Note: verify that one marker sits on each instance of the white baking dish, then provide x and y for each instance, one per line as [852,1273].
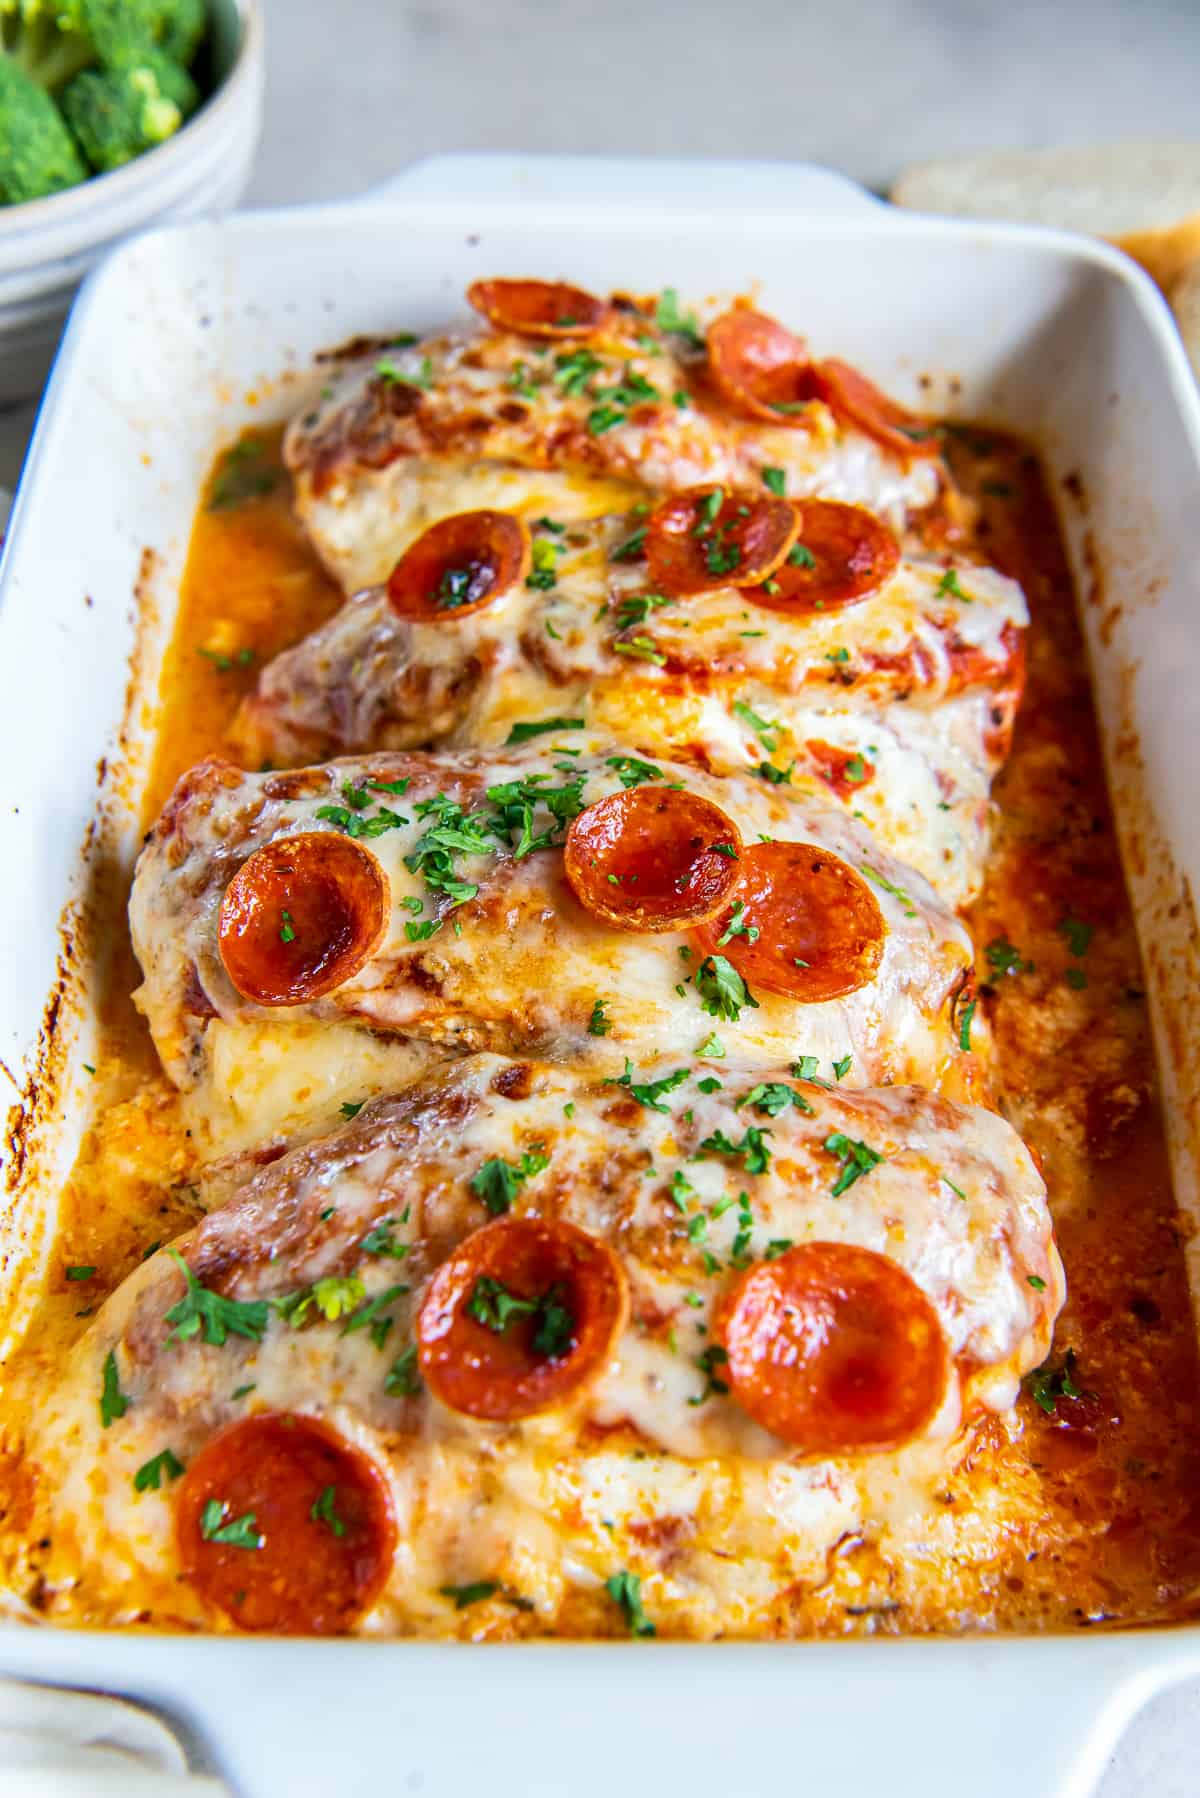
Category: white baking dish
[179,341]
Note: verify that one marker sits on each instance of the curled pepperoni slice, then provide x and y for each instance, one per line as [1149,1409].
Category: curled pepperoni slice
[841,554]
[801,923]
[459,566]
[852,396]
[652,858]
[300,917]
[284,1526]
[714,537]
[538,308]
[520,1318]
[759,366]
[834,1348]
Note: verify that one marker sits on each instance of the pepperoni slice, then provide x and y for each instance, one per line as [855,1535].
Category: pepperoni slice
[834,1348]
[459,566]
[300,917]
[760,366]
[523,1315]
[538,308]
[714,537]
[652,858]
[285,1527]
[841,554]
[801,923]
[852,396]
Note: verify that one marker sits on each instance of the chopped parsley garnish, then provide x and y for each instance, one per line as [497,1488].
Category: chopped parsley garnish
[514,804]
[324,1510]
[964,1024]
[775,480]
[544,573]
[648,1093]
[203,1312]
[721,988]
[521,733]
[1076,979]
[806,1067]
[635,608]
[737,926]
[80,1273]
[838,655]
[625,1588]
[403,1380]
[351,1109]
[349,819]
[801,557]
[856,770]
[388,372]
[498,1182]
[752,1148]
[474,1593]
[631,771]
[223,663]
[1036,1281]
[599,1024]
[668,317]
[1047,1384]
[1003,958]
[713,1357]
[712,1046]
[379,1240]
[857,1159]
[642,649]
[632,547]
[1078,935]
[842,1068]
[149,1475]
[709,1084]
[497,1309]
[242,1532]
[906,899]
[767,732]
[773,1096]
[950,587]
[775,777]
[113,1402]
[335,1296]
[243,473]
[372,1316]
[287,929]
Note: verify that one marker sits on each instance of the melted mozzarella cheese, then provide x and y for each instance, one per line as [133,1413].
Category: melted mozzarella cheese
[522,964]
[646,1468]
[373,456]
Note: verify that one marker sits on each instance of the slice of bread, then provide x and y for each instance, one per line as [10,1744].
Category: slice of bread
[1144,197]
[1184,296]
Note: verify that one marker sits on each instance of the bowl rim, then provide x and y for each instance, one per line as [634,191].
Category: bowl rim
[118,184]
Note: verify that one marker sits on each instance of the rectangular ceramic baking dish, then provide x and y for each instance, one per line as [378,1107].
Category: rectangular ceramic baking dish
[179,342]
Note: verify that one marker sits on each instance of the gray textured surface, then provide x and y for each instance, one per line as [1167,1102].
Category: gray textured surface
[357,88]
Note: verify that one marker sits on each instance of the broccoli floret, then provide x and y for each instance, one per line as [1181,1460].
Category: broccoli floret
[120,29]
[116,113]
[45,39]
[38,155]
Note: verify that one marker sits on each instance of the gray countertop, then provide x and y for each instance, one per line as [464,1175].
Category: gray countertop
[358,88]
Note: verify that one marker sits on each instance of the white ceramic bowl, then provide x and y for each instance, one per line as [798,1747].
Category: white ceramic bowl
[48,246]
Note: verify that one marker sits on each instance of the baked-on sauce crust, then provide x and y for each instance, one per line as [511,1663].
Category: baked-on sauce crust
[1086,1516]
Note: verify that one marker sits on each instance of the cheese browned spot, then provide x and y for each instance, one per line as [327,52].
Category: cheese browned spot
[460,565]
[834,1348]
